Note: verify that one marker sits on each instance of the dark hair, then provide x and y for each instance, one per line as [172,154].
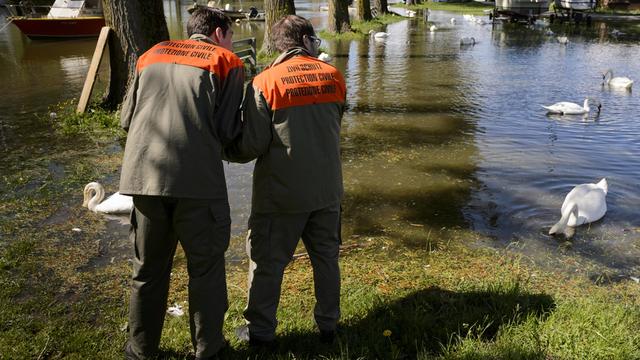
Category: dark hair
[205,20]
[289,31]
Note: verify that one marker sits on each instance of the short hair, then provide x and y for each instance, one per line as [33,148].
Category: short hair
[205,20]
[288,32]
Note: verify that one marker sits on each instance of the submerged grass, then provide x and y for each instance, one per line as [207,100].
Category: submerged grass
[468,7]
[360,29]
[436,298]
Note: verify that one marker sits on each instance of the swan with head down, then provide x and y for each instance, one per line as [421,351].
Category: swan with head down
[584,204]
[114,204]
[569,108]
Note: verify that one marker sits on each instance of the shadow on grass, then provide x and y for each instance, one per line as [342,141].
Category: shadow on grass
[421,323]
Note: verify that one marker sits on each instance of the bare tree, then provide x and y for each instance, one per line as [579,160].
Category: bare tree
[137,26]
[338,16]
[274,10]
[363,12]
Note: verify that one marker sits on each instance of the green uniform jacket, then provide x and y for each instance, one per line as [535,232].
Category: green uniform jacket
[291,123]
[181,110]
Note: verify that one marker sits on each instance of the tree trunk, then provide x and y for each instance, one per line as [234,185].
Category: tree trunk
[338,16]
[136,27]
[381,6]
[363,12]
[274,10]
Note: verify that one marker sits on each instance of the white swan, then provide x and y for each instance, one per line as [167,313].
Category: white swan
[325,57]
[616,82]
[569,108]
[468,41]
[411,13]
[433,28]
[115,204]
[452,21]
[585,203]
[378,35]
[563,40]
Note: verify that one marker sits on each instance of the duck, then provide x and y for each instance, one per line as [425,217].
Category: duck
[616,82]
[115,204]
[378,35]
[585,203]
[468,41]
[325,57]
[569,108]
[433,28]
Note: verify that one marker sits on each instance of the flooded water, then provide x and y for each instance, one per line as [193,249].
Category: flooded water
[436,136]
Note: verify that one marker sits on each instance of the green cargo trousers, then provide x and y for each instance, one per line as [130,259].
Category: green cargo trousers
[203,228]
[271,242]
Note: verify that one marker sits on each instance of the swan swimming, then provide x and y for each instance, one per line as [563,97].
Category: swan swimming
[616,82]
[563,40]
[569,108]
[378,35]
[433,28]
[585,203]
[468,41]
[325,57]
[115,204]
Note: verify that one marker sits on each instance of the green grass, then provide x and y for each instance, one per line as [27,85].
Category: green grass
[470,7]
[442,301]
[361,29]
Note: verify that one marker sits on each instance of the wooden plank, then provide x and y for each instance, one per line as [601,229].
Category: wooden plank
[246,42]
[93,70]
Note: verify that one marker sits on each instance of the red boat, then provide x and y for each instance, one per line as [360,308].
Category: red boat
[65,18]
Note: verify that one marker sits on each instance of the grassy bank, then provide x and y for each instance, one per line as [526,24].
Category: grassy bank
[64,295]
[470,7]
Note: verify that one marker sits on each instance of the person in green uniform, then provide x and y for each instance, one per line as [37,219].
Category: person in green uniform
[291,123]
[180,111]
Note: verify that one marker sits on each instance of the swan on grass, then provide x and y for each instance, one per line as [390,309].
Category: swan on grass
[584,204]
[115,204]
[569,108]
[616,82]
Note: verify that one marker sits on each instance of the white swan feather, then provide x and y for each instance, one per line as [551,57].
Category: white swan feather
[584,204]
[619,82]
[114,204]
[569,108]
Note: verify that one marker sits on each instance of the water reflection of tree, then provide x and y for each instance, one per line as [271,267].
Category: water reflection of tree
[407,153]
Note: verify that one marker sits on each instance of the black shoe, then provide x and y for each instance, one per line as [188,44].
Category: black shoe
[327,336]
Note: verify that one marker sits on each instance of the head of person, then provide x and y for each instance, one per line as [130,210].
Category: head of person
[213,23]
[295,31]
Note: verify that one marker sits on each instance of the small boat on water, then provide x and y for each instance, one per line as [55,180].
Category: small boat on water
[64,19]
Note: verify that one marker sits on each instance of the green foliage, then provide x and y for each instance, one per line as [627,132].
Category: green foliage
[94,122]
[470,7]
[361,29]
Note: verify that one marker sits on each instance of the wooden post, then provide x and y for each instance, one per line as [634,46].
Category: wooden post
[93,70]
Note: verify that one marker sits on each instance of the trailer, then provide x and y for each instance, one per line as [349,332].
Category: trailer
[520,10]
